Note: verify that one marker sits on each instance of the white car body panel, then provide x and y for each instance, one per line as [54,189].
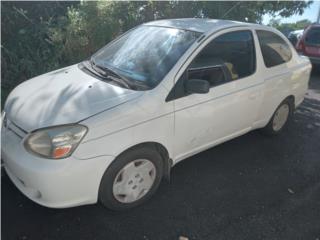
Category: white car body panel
[130,123]
[119,119]
[55,184]
[239,97]
[75,94]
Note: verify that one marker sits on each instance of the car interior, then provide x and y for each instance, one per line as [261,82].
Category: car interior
[234,52]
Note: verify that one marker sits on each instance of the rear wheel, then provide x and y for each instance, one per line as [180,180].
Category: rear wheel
[280,118]
[131,179]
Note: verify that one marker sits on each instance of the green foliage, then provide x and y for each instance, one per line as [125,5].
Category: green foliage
[83,30]
[26,47]
[286,28]
[38,37]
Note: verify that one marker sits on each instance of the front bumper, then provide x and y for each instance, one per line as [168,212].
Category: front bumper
[52,183]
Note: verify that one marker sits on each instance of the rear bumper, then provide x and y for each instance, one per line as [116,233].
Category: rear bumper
[52,183]
[314,60]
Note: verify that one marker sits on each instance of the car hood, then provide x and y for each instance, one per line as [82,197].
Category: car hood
[63,96]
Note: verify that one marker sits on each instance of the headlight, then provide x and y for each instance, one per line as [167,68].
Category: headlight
[56,142]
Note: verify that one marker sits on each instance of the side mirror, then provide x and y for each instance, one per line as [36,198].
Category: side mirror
[197,86]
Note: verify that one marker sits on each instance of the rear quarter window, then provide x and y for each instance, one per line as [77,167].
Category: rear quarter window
[275,50]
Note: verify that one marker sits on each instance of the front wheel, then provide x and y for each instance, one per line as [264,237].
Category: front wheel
[280,118]
[131,179]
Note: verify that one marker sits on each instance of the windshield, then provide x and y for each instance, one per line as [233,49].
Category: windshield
[145,54]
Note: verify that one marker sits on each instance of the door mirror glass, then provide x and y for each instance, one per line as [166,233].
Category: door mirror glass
[197,86]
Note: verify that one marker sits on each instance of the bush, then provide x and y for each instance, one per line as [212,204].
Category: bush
[38,37]
[43,36]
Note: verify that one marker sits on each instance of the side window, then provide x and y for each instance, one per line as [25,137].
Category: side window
[230,56]
[275,50]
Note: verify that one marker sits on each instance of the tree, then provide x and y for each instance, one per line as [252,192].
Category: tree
[41,36]
[235,10]
[286,28]
[26,47]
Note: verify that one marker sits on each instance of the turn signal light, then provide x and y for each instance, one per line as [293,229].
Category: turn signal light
[60,152]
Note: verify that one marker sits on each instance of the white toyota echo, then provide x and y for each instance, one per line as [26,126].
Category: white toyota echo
[110,128]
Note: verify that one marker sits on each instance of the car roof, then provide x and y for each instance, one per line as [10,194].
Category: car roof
[198,24]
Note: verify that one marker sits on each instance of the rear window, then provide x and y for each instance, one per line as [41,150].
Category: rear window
[313,36]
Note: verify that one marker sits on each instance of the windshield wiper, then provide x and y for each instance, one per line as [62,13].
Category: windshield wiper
[111,74]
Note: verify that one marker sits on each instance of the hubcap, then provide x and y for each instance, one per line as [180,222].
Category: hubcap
[134,180]
[280,117]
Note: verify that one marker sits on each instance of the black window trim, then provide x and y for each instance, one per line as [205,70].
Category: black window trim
[172,94]
[284,39]
[223,67]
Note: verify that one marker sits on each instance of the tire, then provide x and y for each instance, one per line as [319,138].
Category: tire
[272,128]
[134,168]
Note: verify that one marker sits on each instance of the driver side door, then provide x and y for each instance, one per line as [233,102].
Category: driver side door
[229,109]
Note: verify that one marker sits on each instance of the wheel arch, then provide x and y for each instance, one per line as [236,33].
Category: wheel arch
[292,99]
[163,151]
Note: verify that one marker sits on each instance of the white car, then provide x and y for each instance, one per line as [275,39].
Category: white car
[110,128]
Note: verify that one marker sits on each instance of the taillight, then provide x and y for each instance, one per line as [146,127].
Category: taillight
[300,45]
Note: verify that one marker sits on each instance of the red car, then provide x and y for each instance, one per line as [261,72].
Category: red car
[309,43]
